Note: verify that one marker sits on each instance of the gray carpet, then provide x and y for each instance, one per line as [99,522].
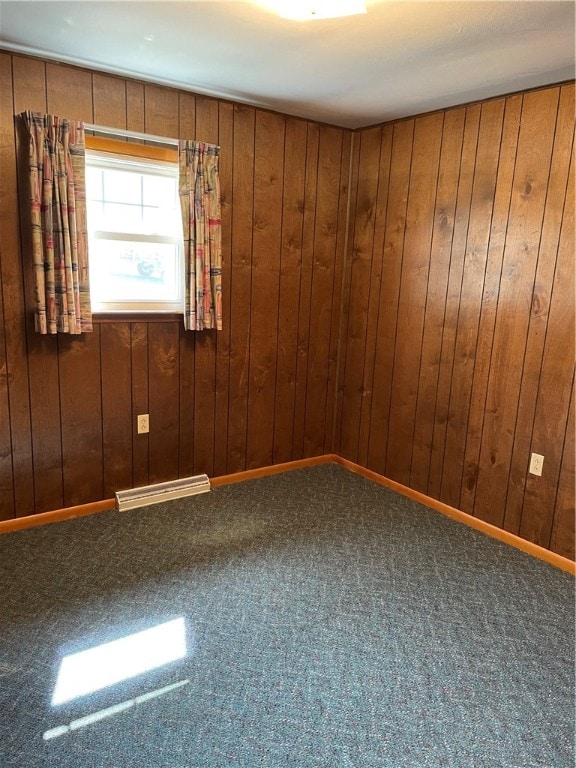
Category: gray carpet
[329,623]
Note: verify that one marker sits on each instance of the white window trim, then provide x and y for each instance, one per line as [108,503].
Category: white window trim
[100,159]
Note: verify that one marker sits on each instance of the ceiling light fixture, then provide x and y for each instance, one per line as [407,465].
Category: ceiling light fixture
[306,10]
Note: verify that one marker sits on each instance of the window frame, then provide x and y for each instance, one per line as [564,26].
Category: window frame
[127,153]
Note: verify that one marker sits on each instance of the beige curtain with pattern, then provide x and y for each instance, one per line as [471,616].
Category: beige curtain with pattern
[59,226]
[199,188]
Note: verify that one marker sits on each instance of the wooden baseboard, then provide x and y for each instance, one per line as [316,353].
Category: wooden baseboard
[564,563]
[273,469]
[43,518]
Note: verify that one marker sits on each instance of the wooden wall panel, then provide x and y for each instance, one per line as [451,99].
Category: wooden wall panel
[44,380]
[443,232]
[163,400]
[322,290]
[17,371]
[476,304]
[305,302]
[531,177]
[117,421]
[294,164]
[386,311]
[412,297]
[443,316]
[361,238]
[218,402]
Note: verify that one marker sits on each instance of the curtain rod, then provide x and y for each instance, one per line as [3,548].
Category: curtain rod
[131,134]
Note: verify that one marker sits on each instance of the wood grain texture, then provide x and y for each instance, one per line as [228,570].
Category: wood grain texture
[117,429]
[294,168]
[322,289]
[475,303]
[429,346]
[268,177]
[531,176]
[441,249]
[16,353]
[563,539]
[412,295]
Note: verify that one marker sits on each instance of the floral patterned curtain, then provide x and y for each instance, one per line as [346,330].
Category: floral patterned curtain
[200,203]
[59,227]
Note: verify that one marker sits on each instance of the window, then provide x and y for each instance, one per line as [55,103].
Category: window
[135,232]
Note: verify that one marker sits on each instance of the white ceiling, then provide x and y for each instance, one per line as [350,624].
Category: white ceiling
[400,59]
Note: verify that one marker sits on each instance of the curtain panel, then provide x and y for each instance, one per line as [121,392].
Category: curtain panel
[199,188]
[59,224]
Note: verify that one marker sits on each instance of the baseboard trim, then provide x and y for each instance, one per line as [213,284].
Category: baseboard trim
[272,469]
[558,561]
[56,516]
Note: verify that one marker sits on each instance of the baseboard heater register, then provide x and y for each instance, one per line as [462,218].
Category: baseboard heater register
[154,494]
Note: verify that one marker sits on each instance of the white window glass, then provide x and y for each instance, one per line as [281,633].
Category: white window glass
[135,234]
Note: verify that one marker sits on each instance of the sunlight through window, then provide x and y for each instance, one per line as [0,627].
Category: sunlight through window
[110,663]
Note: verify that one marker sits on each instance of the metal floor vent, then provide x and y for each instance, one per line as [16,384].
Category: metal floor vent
[154,494]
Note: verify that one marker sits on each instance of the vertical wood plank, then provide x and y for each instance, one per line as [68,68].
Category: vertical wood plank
[109,101]
[117,429]
[134,106]
[81,408]
[402,140]
[347,240]
[161,111]
[464,194]
[304,307]
[163,367]
[17,370]
[562,540]
[443,232]
[375,292]
[331,439]
[515,298]
[500,217]
[269,146]
[360,273]
[538,323]
[205,341]
[475,259]
[241,289]
[325,238]
[187,131]
[554,388]
[412,299]
[69,92]
[6,479]
[226,142]
[294,165]
[140,401]
[44,385]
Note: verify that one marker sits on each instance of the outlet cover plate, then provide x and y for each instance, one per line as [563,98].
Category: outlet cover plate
[536,463]
[143,423]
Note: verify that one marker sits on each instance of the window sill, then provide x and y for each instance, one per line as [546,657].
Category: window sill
[140,316]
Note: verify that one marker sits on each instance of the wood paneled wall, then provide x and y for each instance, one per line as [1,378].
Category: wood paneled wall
[454,352]
[458,349]
[260,392]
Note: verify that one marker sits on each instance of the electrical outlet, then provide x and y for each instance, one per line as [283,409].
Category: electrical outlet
[143,423]
[536,462]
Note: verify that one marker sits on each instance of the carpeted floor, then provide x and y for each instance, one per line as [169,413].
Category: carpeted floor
[329,623]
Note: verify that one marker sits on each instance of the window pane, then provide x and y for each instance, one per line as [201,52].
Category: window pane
[122,270]
[130,202]
[94,187]
[122,218]
[159,191]
[123,187]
